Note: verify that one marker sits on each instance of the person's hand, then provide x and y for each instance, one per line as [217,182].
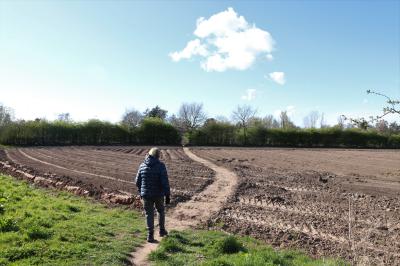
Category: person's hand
[167,199]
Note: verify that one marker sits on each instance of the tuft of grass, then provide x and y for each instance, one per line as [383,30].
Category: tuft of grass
[37,232]
[47,227]
[72,208]
[228,245]
[214,248]
[8,225]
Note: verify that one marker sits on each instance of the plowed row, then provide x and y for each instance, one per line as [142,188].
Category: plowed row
[113,168]
[327,202]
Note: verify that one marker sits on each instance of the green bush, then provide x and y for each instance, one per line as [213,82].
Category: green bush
[92,132]
[8,225]
[210,135]
[37,232]
[228,245]
[155,131]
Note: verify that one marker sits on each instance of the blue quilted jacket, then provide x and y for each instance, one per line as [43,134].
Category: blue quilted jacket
[152,178]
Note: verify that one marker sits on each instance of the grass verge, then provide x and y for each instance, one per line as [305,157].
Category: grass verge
[214,248]
[47,227]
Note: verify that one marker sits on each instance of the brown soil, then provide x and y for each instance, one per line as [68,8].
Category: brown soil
[310,198]
[109,168]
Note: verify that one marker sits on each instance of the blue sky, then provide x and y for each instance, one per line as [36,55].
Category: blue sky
[98,58]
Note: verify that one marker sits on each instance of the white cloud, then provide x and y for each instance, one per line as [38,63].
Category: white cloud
[226,41]
[192,48]
[269,57]
[278,77]
[250,95]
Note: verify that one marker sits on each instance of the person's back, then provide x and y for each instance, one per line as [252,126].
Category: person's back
[154,182]
[153,185]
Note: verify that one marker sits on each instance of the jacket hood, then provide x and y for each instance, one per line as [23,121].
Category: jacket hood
[150,160]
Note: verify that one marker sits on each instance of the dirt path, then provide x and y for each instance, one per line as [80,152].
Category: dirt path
[195,211]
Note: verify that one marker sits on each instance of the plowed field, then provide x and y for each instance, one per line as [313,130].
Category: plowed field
[113,168]
[328,202]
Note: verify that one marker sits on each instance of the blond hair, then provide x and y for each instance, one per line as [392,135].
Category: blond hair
[155,152]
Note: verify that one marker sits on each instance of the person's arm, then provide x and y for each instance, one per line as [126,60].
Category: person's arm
[164,180]
[138,180]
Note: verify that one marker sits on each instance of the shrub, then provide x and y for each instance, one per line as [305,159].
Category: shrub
[228,245]
[8,225]
[92,132]
[172,245]
[36,232]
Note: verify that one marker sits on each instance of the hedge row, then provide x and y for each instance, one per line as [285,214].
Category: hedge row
[228,135]
[94,132]
[154,131]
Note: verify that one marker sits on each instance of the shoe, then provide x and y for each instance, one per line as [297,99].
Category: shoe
[150,237]
[163,233]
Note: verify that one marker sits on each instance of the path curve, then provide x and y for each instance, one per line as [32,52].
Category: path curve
[195,211]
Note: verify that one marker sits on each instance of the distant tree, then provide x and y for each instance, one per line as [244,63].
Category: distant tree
[6,115]
[192,115]
[270,122]
[382,126]
[156,112]
[310,121]
[243,115]
[394,127]
[322,122]
[340,122]
[286,123]
[256,122]
[132,118]
[210,121]
[64,117]
[176,123]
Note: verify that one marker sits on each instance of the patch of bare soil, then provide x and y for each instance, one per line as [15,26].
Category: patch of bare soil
[328,202]
[109,168]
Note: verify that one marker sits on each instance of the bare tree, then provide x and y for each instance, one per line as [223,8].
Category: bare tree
[285,121]
[270,122]
[322,121]
[65,117]
[192,115]
[340,122]
[310,121]
[382,126]
[243,115]
[132,118]
[6,115]
[176,123]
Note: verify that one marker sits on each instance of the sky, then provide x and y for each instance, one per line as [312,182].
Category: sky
[97,59]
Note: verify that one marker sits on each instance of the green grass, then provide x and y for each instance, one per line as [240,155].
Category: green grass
[212,248]
[46,227]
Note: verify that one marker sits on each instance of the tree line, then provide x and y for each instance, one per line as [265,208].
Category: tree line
[192,126]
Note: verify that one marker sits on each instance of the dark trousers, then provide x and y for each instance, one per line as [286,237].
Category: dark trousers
[149,210]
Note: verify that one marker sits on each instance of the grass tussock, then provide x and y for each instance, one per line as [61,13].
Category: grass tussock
[212,248]
[41,227]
